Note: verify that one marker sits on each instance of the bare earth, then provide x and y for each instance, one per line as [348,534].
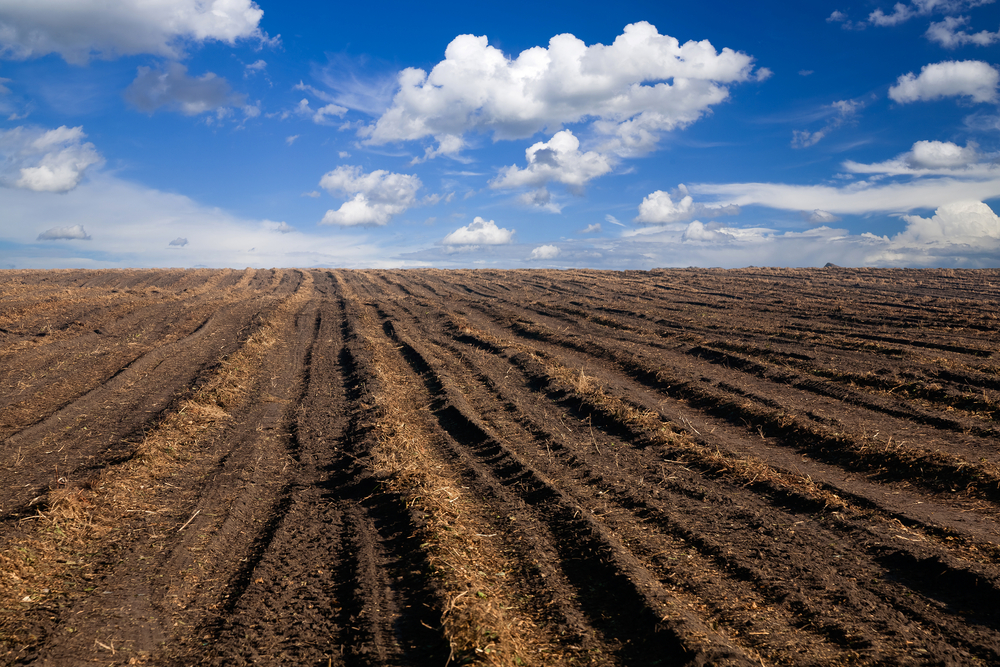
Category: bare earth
[676,467]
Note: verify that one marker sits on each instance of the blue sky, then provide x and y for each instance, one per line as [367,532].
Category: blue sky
[219,133]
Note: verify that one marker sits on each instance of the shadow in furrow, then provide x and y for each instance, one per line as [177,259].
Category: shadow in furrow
[607,595]
[393,545]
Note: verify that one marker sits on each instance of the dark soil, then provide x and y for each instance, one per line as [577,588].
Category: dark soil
[704,467]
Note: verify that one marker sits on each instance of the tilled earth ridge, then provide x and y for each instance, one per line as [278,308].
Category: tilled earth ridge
[324,467]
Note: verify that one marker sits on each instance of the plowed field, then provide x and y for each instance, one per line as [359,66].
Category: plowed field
[676,467]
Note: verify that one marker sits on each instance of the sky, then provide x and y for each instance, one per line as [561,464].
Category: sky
[625,135]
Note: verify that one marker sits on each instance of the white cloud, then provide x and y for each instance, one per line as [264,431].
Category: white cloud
[447,144]
[81,29]
[931,158]
[560,160]
[843,111]
[437,198]
[343,155]
[361,84]
[958,234]
[254,67]
[132,225]
[479,232]
[322,115]
[545,252]
[591,229]
[76,232]
[900,13]
[824,217]
[855,198]
[659,207]
[903,12]
[966,78]
[931,175]
[805,139]
[313,194]
[45,160]
[982,122]
[173,89]
[947,33]
[291,139]
[941,155]
[178,242]
[540,198]
[634,89]
[613,220]
[836,17]
[284,228]
[956,223]
[377,196]
[699,231]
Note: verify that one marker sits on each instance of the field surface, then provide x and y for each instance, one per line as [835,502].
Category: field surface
[676,467]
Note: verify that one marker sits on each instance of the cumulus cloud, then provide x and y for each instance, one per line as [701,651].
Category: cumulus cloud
[956,223]
[967,78]
[591,229]
[72,233]
[173,89]
[639,86]
[660,207]
[930,158]
[558,160]
[479,232]
[81,29]
[45,160]
[947,33]
[377,196]
[941,155]
[284,228]
[545,252]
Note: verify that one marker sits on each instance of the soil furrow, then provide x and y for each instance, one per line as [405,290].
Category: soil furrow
[715,551]
[595,563]
[425,467]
